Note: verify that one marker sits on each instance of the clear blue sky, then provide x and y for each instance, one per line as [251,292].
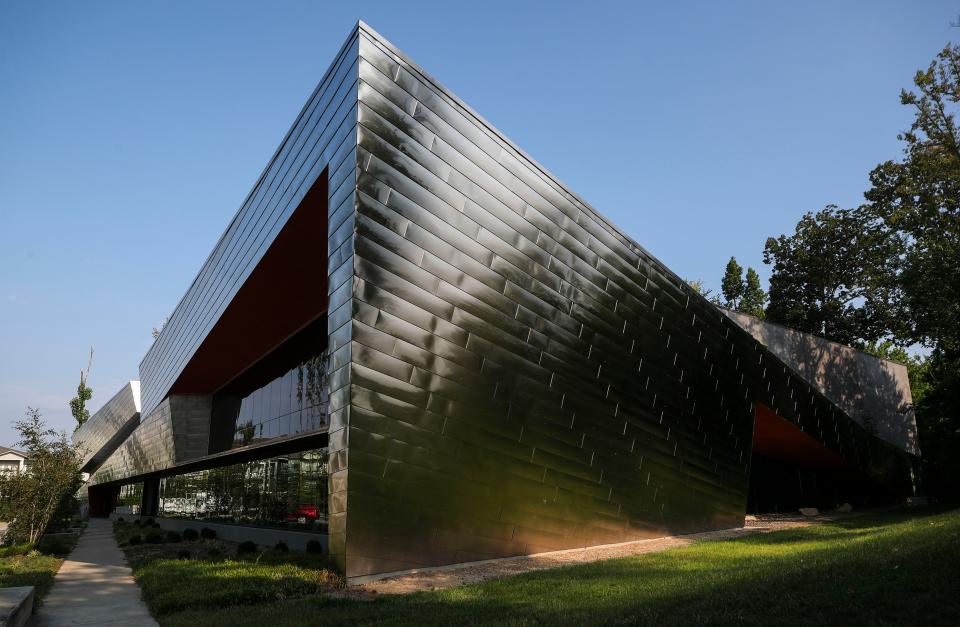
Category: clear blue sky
[131,131]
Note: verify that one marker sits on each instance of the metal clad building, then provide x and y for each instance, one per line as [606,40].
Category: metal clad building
[462,358]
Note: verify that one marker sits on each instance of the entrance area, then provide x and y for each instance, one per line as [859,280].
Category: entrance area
[791,469]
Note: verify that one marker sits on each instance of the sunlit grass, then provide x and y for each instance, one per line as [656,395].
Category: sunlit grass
[900,568]
[22,565]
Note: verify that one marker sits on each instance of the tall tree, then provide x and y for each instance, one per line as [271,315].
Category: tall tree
[918,199]
[831,277]
[732,284]
[753,295]
[41,495]
[78,404]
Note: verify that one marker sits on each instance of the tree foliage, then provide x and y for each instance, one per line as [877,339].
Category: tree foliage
[889,270]
[732,283]
[744,295]
[78,404]
[831,277]
[42,494]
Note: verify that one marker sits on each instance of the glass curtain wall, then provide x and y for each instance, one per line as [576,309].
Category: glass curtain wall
[130,499]
[288,491]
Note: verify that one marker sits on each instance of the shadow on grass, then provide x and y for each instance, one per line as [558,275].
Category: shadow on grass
[860,571]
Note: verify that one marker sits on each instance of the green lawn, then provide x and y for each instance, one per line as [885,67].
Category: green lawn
[899,568]
[23,565]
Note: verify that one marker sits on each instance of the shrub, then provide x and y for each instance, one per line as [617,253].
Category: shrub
[154,537]
[214,552]
[184,554]
[173,536]
[135,539]
[281,547]
[53,546]
[121,519]
[207,533]
[190,535]
[137,523]
[149,522]
[246,547]
[315,546]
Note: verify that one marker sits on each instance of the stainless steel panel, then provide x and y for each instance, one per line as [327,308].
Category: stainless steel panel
[106,429]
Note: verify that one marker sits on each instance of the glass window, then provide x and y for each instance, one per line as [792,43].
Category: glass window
[287,491]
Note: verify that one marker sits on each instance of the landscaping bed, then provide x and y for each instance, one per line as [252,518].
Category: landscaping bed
[34,565]
[178,571]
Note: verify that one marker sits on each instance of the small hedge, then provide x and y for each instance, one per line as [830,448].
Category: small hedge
[246,547]
[315,547]
[135,539]
[154,537]
[190,535]
[173,536]
[208,534]
[281,547]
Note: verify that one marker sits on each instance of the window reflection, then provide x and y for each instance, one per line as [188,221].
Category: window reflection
[285,393]
[128,502]
[287,491]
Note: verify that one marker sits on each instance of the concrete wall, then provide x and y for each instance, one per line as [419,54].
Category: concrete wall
[874,392]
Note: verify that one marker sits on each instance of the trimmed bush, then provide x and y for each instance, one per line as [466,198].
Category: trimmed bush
[173,536]
[184,554]
[246,547]
[208,534]
[149,522]
[190,535]
[121,519]
[214,552]
[137,523]
[281,547]
[315,547]
[135,539]
[154,537]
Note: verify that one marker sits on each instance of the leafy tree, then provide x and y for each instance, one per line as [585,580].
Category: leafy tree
[40,495]
[703,290]
[831,277]
[732,283]
[78,404]
[753,297]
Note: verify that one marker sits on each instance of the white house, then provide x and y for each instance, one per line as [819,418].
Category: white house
[12,460]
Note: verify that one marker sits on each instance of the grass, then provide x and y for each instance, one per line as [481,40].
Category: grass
[24,565]
[900,568]
[210,575]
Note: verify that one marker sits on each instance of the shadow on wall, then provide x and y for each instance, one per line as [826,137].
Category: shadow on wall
[872,391]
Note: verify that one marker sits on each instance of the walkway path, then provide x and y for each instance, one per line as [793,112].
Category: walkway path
[94,586]
[459,574]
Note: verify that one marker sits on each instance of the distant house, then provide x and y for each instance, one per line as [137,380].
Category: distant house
[12,460]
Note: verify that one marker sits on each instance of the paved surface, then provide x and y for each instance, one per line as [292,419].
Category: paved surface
[94,586]
[460,574]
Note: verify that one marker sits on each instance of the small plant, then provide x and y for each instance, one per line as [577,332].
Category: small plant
[184,554]
[135,539]
[121,519]
[154,537]
[173,536]
[246,547]
[149,522]
[190,535]
[281,547]
[208,534]
[137,523]
[214,552]
[315,547]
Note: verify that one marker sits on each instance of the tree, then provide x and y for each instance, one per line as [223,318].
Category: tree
[754,297]
[918,199]
[703,290]
[832,276]
[78,404]
[155,333]
[40,495]
[732,284]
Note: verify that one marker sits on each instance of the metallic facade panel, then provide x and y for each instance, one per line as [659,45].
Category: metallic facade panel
[106,429]
[324,131]
[525,377]
[875,392]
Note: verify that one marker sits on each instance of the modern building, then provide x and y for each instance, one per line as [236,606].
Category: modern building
[13,461]
[416,344]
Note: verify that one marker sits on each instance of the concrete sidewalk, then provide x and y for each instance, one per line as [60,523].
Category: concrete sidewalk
[94,586]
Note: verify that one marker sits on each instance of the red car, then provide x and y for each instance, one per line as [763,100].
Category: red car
[304,514]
